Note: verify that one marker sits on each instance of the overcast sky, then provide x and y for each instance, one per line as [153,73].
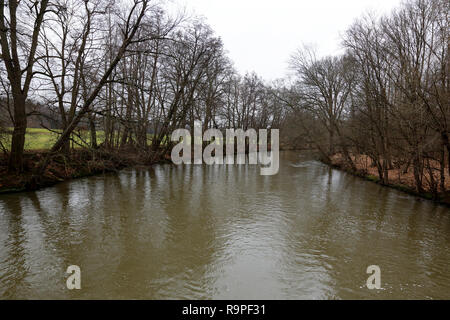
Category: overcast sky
[260,35]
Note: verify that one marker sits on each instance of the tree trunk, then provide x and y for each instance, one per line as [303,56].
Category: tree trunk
[418,174]
[93,132]
[331,142]
[65,149]
[18,138]
[442,169]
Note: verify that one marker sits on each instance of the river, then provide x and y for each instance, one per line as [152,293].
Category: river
[223,232]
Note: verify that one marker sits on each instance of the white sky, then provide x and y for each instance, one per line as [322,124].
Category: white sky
[260,35]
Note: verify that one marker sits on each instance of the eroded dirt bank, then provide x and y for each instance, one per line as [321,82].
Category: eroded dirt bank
[399,179]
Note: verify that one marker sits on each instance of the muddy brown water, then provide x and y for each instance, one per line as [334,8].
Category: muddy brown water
[223,232]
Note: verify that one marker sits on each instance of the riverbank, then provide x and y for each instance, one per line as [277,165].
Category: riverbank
[81,163]
[398,179]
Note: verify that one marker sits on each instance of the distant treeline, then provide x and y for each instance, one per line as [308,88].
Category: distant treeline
[126,68]
[385,100]
[129,68]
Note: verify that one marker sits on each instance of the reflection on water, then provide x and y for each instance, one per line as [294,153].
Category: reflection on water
[223,232]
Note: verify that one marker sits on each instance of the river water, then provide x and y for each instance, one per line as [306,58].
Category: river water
[223,232]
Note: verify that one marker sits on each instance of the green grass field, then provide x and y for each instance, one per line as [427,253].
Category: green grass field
[42,139]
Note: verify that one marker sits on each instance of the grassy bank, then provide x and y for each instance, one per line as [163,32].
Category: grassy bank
[80,163]
[43,139]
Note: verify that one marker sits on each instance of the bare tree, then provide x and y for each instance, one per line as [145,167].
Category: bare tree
[19,56]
